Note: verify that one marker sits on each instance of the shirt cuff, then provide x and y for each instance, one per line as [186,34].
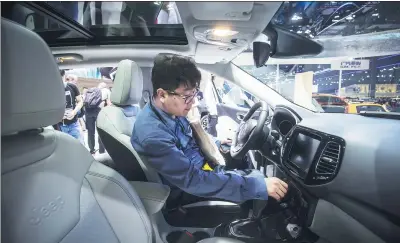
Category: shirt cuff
[256,188]
[218,143]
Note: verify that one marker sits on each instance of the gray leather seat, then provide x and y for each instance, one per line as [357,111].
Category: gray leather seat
[115,123]
[52,189]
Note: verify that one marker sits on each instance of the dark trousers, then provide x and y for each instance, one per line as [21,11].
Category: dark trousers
[91,129]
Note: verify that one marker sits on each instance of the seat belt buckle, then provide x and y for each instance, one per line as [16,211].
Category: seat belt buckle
[186,237]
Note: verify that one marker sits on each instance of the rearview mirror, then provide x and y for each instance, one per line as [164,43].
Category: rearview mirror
[261,52]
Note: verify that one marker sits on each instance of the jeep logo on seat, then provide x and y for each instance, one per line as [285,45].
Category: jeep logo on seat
[45,211]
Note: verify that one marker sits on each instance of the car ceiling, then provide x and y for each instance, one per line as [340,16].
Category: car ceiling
[195,15]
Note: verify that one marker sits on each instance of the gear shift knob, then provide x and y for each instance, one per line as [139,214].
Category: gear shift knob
[258,207]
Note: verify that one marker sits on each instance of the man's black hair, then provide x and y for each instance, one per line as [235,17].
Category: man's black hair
[62,72]
[170,71]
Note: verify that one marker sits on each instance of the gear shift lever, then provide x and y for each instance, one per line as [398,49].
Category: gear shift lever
[250,229]
[258,207]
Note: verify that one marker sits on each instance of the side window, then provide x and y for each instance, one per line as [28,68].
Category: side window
[370,108]
[232,94]
[323,100]
[335,101]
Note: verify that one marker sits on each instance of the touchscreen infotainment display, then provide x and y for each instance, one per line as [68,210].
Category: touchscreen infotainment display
[303,152]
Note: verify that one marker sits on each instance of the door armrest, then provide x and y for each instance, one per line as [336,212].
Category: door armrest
[153,195]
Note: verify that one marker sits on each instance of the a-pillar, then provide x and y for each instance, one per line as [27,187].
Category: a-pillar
[373,72]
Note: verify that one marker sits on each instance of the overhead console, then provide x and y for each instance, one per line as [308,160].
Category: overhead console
[221,31]
[312,156]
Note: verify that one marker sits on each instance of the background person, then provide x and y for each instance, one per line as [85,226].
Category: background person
[73,104]
[93,112]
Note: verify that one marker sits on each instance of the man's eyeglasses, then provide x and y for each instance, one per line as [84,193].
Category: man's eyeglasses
[187,98]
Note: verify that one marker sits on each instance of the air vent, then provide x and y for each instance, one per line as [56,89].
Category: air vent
[329,161]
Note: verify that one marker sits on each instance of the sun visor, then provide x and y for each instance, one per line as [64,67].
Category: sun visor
[211,54]
[217,11]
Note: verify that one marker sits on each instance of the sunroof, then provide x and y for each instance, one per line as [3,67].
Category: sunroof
[93,23]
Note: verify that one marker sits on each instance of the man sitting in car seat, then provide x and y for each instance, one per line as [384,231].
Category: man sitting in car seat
[163,134]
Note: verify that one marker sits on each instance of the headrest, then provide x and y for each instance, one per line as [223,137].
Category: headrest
[128,84]
[32,92]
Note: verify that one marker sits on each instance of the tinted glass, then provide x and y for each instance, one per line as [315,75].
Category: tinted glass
[369,108]
[106,21]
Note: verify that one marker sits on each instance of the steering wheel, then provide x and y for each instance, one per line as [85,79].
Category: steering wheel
[250,131]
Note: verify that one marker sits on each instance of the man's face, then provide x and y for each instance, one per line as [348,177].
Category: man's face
[179,101]
[71,79]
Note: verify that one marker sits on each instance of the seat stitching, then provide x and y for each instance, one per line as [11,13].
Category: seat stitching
[128,194]
[152,199]
[102,209]
[126,146]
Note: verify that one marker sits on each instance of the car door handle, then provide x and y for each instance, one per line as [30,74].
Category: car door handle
[240,116]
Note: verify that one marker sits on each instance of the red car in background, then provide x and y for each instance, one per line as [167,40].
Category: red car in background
[331,103]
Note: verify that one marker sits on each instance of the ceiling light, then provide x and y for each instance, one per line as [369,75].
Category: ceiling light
[222,32]
[68,58]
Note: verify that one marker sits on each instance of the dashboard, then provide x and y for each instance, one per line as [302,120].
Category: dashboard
[350,164]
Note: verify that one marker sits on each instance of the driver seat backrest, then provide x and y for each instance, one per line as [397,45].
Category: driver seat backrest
[52,188]
[115,123]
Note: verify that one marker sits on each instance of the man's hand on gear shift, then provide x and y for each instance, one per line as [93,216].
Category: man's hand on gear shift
[276,188]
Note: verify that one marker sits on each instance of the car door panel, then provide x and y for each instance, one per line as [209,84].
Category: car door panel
[231,110]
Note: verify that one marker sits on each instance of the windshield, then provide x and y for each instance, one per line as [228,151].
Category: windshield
[334,84]
[369,80]
[317,20]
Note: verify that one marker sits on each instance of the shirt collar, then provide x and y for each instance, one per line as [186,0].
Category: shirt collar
[171,122]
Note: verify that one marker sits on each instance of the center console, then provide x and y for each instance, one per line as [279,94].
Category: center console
[282,221]
[307,157]
[311,156]
[286,220]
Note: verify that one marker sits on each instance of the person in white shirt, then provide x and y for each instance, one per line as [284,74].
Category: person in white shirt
[106,94]
[169,14]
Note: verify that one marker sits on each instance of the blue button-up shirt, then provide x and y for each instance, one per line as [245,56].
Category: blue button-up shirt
[172,151]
